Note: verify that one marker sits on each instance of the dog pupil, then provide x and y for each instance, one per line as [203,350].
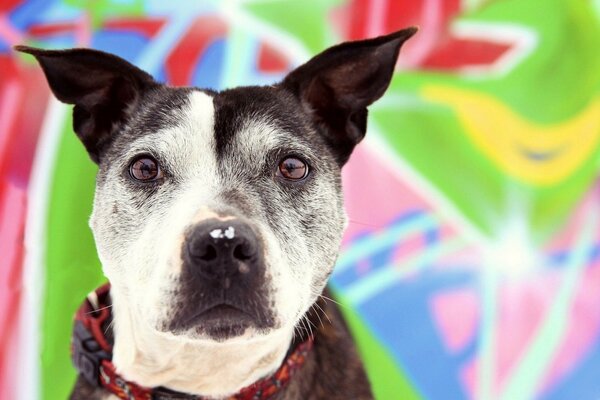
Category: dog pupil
[293,168]
[145,168]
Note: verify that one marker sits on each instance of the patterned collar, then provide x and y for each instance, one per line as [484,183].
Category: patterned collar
[92,354]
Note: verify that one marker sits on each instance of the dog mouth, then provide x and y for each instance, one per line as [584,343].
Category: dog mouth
[219,322]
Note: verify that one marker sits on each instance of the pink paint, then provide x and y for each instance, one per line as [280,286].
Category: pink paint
[12,221]
[10,96]
[376,18]
[431,26]
[8,33]
[83,32]
[456,314]
[374,195]
[583,328]
[522,309]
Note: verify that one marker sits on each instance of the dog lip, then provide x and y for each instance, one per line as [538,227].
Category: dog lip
[220,313]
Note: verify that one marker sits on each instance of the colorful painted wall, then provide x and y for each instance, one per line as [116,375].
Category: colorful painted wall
[471,265]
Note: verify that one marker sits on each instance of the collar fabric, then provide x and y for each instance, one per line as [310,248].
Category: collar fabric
[91,349]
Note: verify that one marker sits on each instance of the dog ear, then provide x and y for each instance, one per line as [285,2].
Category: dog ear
[104,89]
[337,85]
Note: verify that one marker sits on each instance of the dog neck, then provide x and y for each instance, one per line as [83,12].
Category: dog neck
[214,370]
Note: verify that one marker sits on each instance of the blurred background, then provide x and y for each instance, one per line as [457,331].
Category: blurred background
[471,265]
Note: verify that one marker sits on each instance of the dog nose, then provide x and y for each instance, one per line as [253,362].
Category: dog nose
[223,250]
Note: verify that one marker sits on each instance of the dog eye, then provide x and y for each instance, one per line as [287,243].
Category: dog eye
[293,169]
[145,169]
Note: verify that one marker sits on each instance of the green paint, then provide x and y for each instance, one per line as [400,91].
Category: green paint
[306,21]
[555,82]
[72,269]
[430,139]
[100,10]
[388,381]
[530,369]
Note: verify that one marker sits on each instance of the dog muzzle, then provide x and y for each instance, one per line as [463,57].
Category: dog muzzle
[91,350]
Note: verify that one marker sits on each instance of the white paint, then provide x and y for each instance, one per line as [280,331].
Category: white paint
[228,233]
[289,45]
[28,373]
[521,39]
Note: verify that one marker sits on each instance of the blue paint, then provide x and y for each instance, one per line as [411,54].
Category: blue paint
[582,382]
[401,318]
[207,73]
[125,44]
[29,12]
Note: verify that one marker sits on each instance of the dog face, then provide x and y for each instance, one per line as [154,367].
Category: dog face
[218,215]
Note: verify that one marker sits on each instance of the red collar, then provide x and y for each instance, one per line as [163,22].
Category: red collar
[92,355]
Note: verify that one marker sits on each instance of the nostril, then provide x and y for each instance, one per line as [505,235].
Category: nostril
[209,253]
[242,252]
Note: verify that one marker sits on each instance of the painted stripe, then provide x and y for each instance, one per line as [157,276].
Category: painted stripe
[8,32]
[12,215]
[241,50]
[282,40]
[153,56]
[369,286]
[487,334]
[530,371]
[376,18]
[363,248]
[28,377]
[10,98]
[375,143]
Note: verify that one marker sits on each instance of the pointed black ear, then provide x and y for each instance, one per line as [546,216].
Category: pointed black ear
[337,85]
[104,89]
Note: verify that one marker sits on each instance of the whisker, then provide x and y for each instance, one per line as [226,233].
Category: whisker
[317,314]
[352,221]
[306,325]
[99,309]
[335,302]
[109,326]
[310,324]
[324,313]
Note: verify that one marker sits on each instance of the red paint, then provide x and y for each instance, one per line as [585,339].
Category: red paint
[444,53]
[458,53]
[8,5]
[58,28]
[148,27]
[181,62]
[23,99]
[271,61]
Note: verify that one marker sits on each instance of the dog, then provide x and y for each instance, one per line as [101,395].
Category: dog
[218,217]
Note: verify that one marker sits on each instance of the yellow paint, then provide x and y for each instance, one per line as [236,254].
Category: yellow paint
[505,136]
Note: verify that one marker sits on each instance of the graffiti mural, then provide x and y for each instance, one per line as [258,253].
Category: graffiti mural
[471,264]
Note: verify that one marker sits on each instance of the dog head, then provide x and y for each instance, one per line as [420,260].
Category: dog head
[218,215]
